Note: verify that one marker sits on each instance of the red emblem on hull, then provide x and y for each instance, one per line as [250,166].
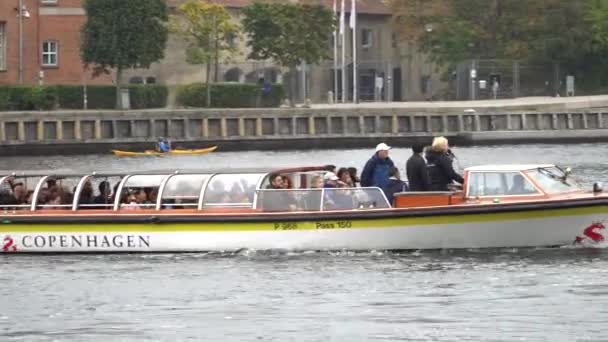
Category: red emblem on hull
[9,245]
[592,233]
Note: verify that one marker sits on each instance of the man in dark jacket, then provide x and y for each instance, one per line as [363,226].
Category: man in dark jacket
[441,171]
[375,172]
[417,173]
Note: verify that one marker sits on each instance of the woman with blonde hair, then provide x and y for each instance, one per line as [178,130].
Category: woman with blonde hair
[439,163]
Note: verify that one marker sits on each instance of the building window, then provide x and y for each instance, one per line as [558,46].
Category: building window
[49,53]
[366,38]
[2,46]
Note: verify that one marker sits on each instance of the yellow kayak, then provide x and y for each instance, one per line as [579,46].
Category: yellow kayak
[172,152]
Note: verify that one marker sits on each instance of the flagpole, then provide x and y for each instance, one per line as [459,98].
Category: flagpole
[343,36]
[335,97]
[353,25]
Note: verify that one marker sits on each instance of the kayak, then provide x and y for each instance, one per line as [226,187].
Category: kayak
[172,152]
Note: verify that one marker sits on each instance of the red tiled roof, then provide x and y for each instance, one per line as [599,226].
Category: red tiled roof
[363,6]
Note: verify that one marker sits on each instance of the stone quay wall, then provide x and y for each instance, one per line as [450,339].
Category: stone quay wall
[73,132]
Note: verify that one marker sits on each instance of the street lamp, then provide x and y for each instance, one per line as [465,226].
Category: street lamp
[21,13]
[429,86]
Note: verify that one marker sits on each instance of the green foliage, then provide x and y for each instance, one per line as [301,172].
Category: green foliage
[100,97]
[27,98]
[288,33]
[229,95]
[122,34]
[71,97]
[148,96]
[207,29]
[209,32]
[572,34]
[42,98]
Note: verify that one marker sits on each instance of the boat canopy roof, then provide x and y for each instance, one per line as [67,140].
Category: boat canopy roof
[188,190]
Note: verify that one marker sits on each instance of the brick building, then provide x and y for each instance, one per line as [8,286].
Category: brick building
[51,43]
[51,40]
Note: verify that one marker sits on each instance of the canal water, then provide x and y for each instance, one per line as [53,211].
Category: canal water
[558,294]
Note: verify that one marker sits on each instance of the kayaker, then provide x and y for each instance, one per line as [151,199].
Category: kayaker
[163,145]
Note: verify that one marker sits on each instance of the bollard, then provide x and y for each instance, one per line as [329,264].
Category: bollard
[330,97]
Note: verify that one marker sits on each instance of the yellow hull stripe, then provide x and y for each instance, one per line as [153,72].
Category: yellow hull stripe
[7,227]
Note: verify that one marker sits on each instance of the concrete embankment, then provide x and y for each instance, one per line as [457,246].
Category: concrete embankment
[324,126]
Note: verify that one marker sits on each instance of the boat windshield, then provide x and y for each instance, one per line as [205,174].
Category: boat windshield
[326,199]
[552,180]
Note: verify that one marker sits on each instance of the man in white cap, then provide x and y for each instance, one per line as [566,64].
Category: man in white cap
[375,172]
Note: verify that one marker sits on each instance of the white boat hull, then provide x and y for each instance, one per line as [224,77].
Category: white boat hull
[327,235]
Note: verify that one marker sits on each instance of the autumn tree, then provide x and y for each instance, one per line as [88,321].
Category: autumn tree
[289,34]
[209,33]
[123,34]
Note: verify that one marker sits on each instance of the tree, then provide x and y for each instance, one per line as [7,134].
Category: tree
[123,34]
[289,34]
[208,30]
[451,31]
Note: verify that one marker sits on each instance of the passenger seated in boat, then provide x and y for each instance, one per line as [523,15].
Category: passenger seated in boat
[6,199]
[141,198]
[29,197]
[336,199]
[277,200]
[51,183]
[287,184]
[104,194]
[60,198]
[330,180]
[19,192]
[163,145]
[344,177]
[312,198]
[520,186]
[353,176]
[343,198]
[130,202]
[394,185]
[86,196]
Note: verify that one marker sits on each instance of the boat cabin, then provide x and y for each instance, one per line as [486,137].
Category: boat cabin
[497,184]
[250,191]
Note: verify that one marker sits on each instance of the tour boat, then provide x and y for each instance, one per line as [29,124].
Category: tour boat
[172,152]
[199,211]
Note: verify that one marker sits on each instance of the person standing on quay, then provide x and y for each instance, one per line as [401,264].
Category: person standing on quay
[417,173]
[375,172]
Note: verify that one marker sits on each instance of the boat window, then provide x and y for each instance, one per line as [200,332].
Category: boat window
[282,200]
[16,192]
[98,192]
[500,184]
[321,199]
[231,190]
[140,192]
[182,191]
[552,180]
[57,192]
